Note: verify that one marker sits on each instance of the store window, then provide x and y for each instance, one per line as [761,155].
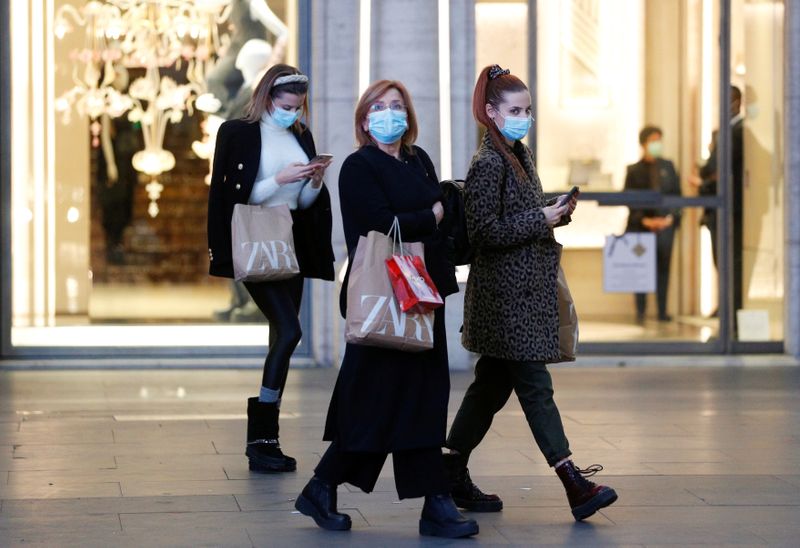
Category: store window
[602,83]
[603,72]
[115,105]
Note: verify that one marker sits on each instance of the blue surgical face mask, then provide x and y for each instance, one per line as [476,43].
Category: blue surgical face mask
[284,118]
[387,126]
[655,149]
[515,128]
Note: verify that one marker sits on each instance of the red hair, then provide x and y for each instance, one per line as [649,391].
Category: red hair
[492,91]
[372,94]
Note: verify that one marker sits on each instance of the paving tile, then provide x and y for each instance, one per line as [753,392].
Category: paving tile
[60,490]
[274,528]
[177,446]
[57,424]
[7,428]
[203,487]
[118,505]
[745,491]
[793,479]
[698,456]
[38,527]
[239,470]
[536,491]
[721,469]
[44,477]
[57,463]
[547,526]
[103,435]
[684,442]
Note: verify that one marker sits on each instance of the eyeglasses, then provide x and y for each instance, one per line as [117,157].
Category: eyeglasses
[380,107]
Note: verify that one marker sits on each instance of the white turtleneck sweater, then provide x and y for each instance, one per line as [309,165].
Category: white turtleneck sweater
[279,148]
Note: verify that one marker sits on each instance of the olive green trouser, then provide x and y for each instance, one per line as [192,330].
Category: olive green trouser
[495,378]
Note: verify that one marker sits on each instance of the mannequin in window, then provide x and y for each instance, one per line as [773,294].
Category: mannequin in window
[116,177]
[248,19]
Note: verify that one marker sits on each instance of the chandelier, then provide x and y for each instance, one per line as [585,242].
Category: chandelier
[149,34]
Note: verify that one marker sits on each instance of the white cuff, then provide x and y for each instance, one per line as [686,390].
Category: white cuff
[308,195]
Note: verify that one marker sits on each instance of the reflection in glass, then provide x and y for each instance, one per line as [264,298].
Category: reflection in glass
[146,85]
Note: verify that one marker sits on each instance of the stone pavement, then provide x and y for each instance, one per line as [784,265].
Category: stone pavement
[698,455]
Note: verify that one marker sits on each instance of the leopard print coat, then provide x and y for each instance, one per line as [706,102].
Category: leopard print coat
[511,300]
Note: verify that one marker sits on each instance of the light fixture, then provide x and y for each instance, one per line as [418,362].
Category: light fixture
[149,34]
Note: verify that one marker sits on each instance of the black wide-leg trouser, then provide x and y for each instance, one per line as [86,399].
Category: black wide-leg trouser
[417,472]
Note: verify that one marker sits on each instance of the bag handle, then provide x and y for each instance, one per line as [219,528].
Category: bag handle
[394,234]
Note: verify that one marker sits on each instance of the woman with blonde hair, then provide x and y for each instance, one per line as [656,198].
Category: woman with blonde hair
[264,159]
[385,400]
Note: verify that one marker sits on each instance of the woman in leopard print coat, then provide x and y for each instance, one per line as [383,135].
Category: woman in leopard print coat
[511,305]
[511,302]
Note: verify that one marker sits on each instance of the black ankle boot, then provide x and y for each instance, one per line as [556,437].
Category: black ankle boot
[318,500]
[465,493]
[263,450]
[441,518]
[585,497]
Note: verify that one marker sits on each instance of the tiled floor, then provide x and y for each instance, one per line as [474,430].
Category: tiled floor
[154,458]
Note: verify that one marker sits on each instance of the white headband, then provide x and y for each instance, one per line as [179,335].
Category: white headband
[290,79]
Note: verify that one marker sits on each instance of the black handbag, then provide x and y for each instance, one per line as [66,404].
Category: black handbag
[454,222]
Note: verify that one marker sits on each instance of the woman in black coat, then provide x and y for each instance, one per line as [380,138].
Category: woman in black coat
[264,159]
[390,401]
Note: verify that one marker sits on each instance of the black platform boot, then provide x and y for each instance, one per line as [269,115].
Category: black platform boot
[441,518]
[465,493]
[318,501]
[263,449]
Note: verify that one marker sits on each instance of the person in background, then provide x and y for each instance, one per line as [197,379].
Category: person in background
[654,173]
[263,159]
[706,185]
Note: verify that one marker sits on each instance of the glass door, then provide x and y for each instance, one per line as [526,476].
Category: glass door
[630,99]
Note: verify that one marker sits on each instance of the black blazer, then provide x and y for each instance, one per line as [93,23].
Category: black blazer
[374,187]
[639,177]
[236,158]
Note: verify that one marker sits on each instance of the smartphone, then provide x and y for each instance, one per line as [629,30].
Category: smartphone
[570,195]
[321,158]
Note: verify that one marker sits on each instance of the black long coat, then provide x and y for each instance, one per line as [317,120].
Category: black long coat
[236,159]
[387,400]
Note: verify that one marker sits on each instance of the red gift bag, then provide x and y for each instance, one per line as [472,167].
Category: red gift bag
[412,285]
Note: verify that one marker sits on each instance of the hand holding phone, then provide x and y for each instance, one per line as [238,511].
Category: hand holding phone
[570,195]
[323,158]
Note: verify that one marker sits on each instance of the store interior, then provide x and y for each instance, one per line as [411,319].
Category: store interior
[104,239]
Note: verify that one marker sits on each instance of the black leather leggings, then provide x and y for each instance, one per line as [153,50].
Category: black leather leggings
[280,303]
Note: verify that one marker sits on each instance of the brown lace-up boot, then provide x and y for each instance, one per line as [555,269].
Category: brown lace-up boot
[585,497]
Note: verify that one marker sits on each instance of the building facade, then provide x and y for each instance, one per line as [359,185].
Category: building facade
[99,257]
